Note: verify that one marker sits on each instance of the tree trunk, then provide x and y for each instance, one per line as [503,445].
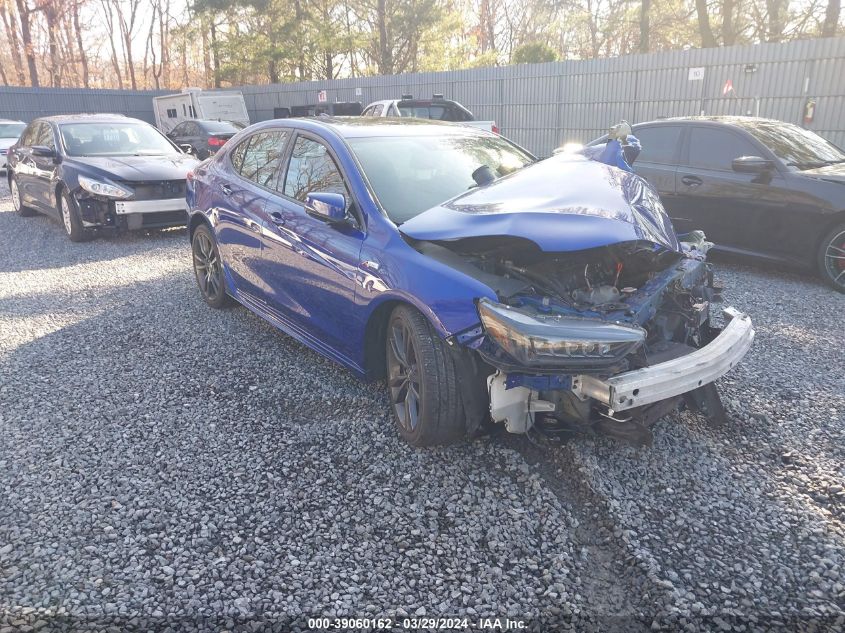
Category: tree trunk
[385,61]
[215,55]
[51,17]
[708,40]
[26,36]
[728,29]
[114,59]
[775,9]
[83,56]
[645,9]
[9,23]
[831,18]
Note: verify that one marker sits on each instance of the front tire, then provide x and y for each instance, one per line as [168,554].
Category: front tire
[831,258]
[17,201]
[422,380]
[208,268]
[71,220]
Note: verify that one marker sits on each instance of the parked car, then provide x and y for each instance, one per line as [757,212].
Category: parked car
[436,108]
[10,132]
[755,186]
[481,283]
[97,172]
[203,138]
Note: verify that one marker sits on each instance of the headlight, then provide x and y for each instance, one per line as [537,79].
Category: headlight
[547,339]
[102,188]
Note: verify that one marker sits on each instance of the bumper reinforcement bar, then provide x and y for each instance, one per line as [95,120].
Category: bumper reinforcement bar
[674,377]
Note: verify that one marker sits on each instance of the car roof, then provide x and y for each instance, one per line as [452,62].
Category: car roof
[736,121]
[364,127]
[88,118]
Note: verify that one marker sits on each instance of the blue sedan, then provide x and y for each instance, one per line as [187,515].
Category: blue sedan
[484,286]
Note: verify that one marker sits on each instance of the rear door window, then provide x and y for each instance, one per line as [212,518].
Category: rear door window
[259,158]
[659,144]
[714,148]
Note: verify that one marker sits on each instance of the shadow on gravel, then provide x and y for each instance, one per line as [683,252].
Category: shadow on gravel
[777,270]
[40,243]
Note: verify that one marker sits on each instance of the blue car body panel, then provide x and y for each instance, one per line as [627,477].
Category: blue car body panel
[323,283]
[564,203]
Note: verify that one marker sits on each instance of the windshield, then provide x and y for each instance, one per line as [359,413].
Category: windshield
[11,130]
[115,138]
[412,174]
[796,146]
[220,127]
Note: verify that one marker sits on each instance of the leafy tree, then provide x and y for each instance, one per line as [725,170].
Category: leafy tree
[534,53]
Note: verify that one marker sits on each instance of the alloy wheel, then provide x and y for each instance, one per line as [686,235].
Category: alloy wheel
[834,259]
[65,210]
[207,266]
[403,375]
[16,195]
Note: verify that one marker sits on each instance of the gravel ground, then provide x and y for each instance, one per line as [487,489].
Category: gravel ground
[163,464]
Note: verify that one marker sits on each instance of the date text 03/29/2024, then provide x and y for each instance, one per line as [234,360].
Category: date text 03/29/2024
[415,623]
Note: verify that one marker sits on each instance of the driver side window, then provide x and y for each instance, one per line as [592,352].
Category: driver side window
[312,169]
[45,136]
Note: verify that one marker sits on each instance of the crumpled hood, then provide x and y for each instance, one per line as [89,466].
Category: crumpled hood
[834,173]
[563,203]
[137,168]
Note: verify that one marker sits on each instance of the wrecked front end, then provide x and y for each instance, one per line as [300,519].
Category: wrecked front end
[607,338]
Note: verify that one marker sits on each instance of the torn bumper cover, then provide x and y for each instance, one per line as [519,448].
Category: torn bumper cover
[131,214]
[674,377]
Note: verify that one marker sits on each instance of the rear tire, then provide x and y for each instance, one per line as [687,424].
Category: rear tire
[208,268]
[20,208]
[422,381]
[71,220]
[831,258]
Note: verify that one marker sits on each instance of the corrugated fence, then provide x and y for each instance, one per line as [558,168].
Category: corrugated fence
[544,105]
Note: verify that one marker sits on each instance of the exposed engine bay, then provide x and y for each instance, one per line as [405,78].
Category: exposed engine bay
[565,319]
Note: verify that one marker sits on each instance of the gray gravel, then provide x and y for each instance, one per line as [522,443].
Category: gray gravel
[165,464]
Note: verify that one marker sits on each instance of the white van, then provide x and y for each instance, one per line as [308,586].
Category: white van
[194,103]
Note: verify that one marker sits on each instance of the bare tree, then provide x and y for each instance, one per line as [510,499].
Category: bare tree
[107,8]
[831,18]
[26,35]
[9,24]
[708,40]
[83,56]
[645,9]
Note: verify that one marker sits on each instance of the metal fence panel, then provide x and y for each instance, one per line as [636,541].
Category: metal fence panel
[542,106]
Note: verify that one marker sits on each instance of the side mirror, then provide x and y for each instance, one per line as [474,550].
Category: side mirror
[752,165]
[330,207]
[187,148]
[43,150]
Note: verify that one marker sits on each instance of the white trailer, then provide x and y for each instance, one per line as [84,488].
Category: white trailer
[194,103]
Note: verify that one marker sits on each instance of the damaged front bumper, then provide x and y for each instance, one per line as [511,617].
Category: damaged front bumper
[674,377]
[98,212]
[515,401]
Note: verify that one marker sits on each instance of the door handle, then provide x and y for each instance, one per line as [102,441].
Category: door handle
[255,226]
[226,189]
[277,218]
[692,181]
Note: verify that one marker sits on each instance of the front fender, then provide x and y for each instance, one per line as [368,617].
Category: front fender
[399,273]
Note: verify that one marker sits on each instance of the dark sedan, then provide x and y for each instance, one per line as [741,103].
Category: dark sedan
[96,172]
[755,186]
[204,137]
